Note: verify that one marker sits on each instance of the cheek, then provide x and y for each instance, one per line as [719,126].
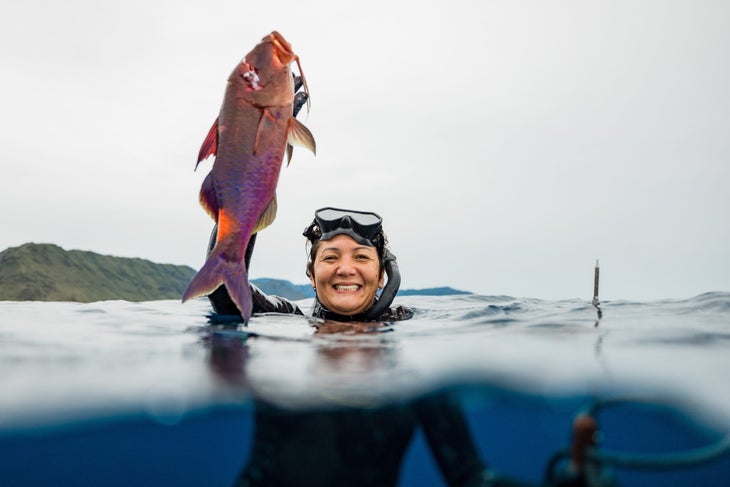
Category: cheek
[375,275]
[320,272]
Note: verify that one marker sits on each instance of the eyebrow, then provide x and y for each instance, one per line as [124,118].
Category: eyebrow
[337,249]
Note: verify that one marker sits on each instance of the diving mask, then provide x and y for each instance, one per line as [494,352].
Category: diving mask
[362,226]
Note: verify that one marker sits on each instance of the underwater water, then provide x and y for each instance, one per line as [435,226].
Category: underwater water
[152,393]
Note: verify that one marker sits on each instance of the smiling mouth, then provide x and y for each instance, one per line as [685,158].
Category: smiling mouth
[348,287]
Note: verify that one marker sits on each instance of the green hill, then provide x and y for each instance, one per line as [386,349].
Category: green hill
[46,272]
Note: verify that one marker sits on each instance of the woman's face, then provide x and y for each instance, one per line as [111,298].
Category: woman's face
[346,275]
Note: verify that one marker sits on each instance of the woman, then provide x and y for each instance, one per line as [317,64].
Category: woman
[348,262]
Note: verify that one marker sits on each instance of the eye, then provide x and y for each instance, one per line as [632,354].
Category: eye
[362,257]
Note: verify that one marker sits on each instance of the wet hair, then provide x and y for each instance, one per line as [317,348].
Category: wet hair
[313,234]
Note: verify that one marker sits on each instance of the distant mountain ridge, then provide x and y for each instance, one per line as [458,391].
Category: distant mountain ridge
[283,288]
[47,272]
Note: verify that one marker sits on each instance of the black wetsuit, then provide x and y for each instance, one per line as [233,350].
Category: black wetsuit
[359,447]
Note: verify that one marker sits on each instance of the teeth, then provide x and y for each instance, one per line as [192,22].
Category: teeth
[353,287]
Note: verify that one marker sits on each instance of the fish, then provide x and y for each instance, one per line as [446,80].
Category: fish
[254,129]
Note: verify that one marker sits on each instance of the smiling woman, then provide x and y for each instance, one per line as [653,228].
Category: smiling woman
[348,260]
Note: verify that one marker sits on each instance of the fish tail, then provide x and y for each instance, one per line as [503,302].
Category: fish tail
[218,270]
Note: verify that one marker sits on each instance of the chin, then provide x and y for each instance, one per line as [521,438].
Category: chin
[347,308]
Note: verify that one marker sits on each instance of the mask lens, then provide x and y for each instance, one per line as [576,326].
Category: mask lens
[335,215]
[366,218]
[330,215]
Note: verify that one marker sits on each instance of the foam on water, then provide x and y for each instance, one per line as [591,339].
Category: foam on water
[62,361]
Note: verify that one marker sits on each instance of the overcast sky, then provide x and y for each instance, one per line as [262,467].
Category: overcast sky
[507,144]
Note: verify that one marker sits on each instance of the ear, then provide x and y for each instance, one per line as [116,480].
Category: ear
[311,279]
[382,280]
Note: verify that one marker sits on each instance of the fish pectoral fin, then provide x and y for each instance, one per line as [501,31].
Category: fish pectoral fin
[267,217]
[298,134]
[265,124]
[210,144]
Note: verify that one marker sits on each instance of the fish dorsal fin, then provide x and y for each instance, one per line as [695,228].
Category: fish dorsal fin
[210,144]
[267,217]
[298,134]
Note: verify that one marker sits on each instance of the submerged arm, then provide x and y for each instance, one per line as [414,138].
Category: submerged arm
[447,432]
[448,435]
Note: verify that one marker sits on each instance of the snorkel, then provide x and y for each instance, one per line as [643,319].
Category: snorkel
[387,295]
[366,229]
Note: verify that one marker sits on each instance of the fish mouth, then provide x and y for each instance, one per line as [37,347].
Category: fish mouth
[285,54]
[282,48]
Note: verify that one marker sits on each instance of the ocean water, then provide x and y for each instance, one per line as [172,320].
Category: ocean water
[153,393]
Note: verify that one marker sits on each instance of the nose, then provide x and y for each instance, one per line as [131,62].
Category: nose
[346,267]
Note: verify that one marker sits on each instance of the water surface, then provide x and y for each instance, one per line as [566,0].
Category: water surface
[519,367]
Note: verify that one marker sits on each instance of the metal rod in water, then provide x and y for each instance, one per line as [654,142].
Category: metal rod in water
[596,274]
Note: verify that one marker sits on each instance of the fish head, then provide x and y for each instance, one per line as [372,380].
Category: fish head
[267,67]
[272,53]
